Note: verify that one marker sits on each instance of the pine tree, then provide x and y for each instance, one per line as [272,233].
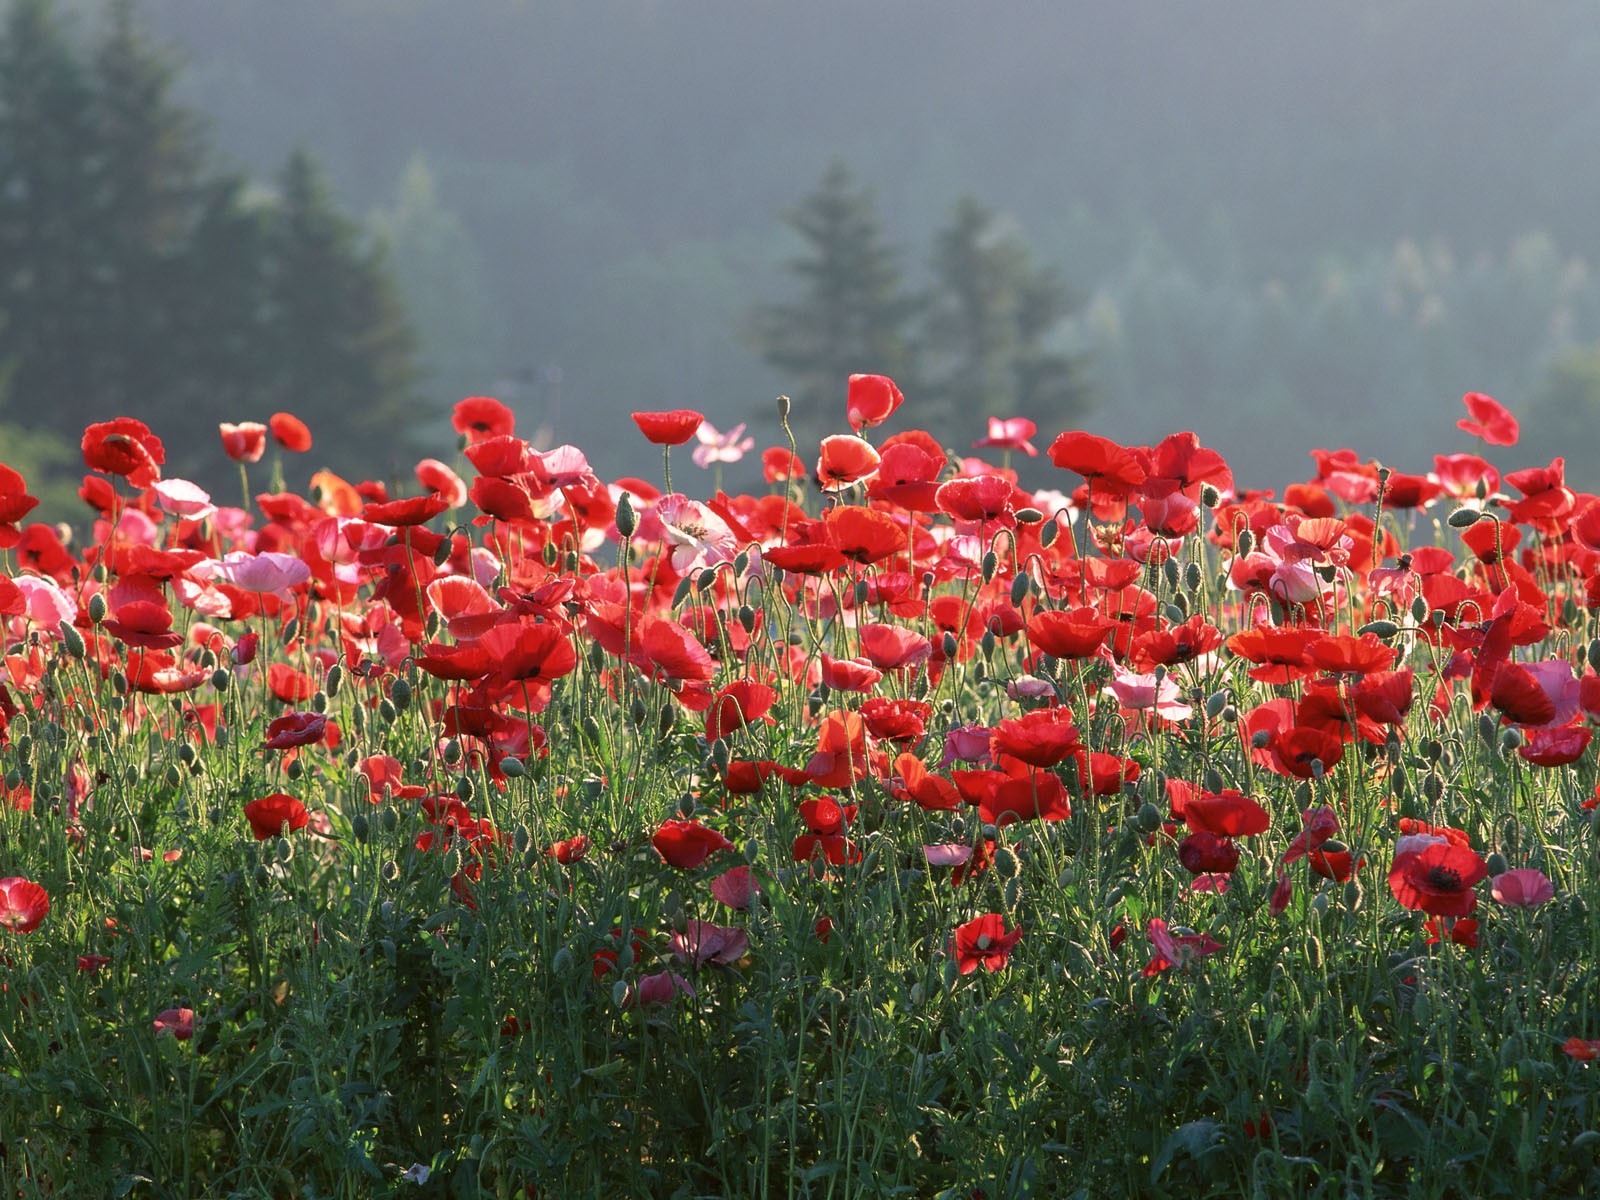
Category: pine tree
[990,320]
[852,314]
[46,211]
[340,353]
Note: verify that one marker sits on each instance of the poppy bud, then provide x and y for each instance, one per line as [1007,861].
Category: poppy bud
[72,640]
[1464,517]
[400,694]
[1047,535]
[627,519]
[334,678]
[1019,589]
[1169,569]
[97,608]
[513,768]
[1029,516]
[220,680]
[783,408]
[989,565]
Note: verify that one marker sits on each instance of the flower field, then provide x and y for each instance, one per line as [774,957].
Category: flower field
[1027,820]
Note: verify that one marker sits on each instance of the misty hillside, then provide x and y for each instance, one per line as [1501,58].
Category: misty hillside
[1285,223]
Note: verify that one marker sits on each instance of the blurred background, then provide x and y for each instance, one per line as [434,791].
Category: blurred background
[1283,225]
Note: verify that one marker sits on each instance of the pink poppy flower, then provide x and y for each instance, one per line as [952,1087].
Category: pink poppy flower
[717,447]
[1523,887]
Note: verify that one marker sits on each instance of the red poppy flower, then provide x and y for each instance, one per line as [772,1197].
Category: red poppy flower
[672,428]
[1488,420]
[1027,796]
[414,510]
[290,432]
[1343,654]
[296,729]
[525,651]
[845,460]
[479,418]
[1203,853]
[980,498]
[903,721]
[124,447]
[1463,931]
[1517,694]
[1438,879]
[933,793]
[983,942]
[779,463]
[687,844]
[1226,814]
[23,904]
[1333,860]
[1581,1049]
[1041,738]
[568,851]
[864,535]
[268,815]
[1009,434]
[1070,633]
[848,674]
[871,400]
[1176,950]
[907,477]
[891,647]
[245,442]
[179,1022]
[1108,467]
[737,705]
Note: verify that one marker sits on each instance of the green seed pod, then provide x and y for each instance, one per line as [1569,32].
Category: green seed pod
[1012,891]
[1353,895]
[295,769]
[291,630]
[986,643]
[1210,497]
[283,850]
[442,552]
[1511,738]
[1497,863]
[741,563]
[1593,655]
[949,645]
[1148,818]
[1245,542]
[1006,863]
[388,820]
[72,640]
[1432,785]
[1213,780]
[452,861]
[1399,784]
[390,871]
[452,752]
[319,702]
[707,580]
[361,828]
[332,681]
[1215,703]
[1463,518]
[1192,577]
[97,608]
[1488,730]
[752,851]
[561,961]
[220,680]
[989,565]
[783,409]
[1419,610]
[1382,629]
[466,789]
[861,592]
[1049,533]
[400,695]
[747,618]
[1019,589]
[681,592]
[550,554]
[1169,569]
[512,768]
[1177,611]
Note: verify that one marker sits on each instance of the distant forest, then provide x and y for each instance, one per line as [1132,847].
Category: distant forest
[1285,225]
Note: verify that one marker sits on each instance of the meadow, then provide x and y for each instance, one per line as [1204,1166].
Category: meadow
[894,829]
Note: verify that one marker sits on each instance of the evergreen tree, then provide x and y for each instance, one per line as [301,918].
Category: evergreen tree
[990,318]
[852,313]
[339,351]
[46,212]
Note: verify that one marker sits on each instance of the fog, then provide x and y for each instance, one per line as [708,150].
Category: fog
[1285,225]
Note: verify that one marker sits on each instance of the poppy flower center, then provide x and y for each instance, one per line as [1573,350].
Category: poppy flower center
[984,941]
[1444,879]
